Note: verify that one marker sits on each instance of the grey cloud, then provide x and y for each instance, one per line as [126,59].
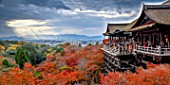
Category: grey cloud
[45,9]
[5,30]
[66,15]
[11,3]
[11,10]
[58,4]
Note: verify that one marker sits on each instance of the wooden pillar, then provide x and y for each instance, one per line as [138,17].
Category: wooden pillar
[150,37]
[110,38]
[141,38]
[161,39]
[153,38]
[168,38]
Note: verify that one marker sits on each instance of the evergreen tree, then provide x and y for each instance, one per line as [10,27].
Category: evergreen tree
[79,44]
[39,56]
[21,57]
[35,53]
[31,57]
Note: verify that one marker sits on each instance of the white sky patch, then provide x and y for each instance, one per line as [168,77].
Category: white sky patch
[106,14]
[102,14]
[69,30]
[24,23]
[31,27]
[93,31]
[84,31]
[66,12]
[23,31]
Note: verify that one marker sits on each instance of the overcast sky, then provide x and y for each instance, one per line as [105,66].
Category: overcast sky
[85,17]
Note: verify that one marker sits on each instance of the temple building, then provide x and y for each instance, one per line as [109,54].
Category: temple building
[153,24]
[151,32]
[147,38]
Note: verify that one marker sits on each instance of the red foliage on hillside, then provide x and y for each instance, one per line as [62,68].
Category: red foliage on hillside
[74,66]
[154,75]
[83,66]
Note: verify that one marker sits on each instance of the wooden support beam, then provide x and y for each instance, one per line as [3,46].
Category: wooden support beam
[161,39]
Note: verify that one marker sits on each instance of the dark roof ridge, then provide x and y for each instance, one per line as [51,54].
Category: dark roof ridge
[118,23]
[145,7]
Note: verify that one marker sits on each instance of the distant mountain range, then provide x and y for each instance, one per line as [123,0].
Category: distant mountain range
[66,37]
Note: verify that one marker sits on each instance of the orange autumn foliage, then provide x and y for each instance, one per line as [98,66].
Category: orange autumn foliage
[157,75]
[105,41]
[49,72]
[82,66]
[16,76]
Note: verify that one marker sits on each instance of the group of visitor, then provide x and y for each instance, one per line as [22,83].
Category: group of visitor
[129,44]
[155,45]
[122,44]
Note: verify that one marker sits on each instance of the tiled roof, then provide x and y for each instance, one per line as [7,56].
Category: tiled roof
[112,27]
[124,27]
[142,27]
[159,13]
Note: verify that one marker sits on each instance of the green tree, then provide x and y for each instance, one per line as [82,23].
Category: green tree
[59,49]
[32,57]
[30,51]
[35,52]
[21,57]
[89,44]
[6,63]
[40,56]
[79,44]
[97,43]
[29,47]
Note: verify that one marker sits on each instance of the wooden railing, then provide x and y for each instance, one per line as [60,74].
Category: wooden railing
[116,49]
[153,50]
[159,51]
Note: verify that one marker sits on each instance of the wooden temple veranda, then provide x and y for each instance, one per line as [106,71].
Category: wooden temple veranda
[145,39]
[117,56]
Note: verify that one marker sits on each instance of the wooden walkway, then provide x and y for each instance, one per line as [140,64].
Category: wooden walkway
[121,59]
[118,60]
[153,51]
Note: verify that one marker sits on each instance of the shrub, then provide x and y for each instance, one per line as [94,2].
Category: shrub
[59,49]
[10,52]
[6,63]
